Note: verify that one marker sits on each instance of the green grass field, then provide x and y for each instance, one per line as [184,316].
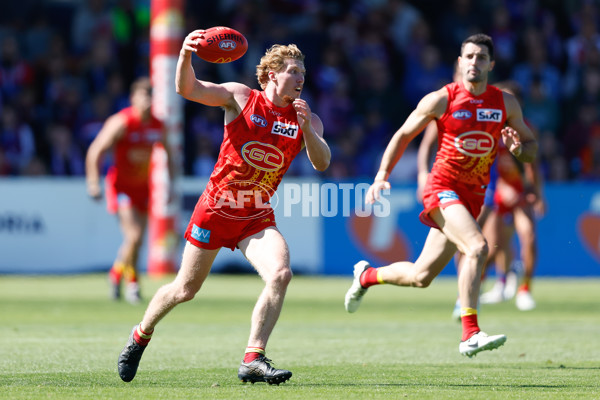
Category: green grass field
[60,338]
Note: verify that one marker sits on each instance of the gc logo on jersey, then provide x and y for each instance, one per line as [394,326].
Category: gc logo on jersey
[474,143]
[489,115]
[263,156]
[288,130]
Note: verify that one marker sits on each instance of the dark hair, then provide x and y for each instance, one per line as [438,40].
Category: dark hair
[480,39]
[141,83]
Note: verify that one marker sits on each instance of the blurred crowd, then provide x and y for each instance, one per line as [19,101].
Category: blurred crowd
[66,65]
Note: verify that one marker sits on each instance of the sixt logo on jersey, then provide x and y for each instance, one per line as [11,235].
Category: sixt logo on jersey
[263,156]
[474,143]
[288,130]
[258,120]
[489,115]
[462,114]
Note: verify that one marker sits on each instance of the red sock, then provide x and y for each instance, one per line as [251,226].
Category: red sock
[524,288]
[252,353]
[142,338]
[469,325]
[116,273]
[369,278]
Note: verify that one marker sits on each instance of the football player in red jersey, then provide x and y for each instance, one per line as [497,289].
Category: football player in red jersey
[263,131]
[472,117]
[131,134]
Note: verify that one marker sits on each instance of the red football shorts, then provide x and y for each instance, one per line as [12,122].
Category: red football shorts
[125,196]
[438,192]
[507,197]
[213,228]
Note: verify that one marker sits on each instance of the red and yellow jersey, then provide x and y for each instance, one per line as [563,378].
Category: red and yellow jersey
[258,148]
[132,152]
[469,132]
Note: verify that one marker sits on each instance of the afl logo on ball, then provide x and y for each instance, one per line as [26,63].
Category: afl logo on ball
[227,45]
[265,157]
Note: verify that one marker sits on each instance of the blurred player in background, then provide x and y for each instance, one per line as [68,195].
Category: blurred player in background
[263,132]
[518,199]
[471,117]
[131,134]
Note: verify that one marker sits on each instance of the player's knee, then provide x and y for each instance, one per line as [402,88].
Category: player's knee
[423,280]
[281,277]
[479,250]
[184,293]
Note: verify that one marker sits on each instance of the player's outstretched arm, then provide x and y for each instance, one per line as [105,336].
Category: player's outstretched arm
[430,107]
[112,130]
[230,95]
[427,144]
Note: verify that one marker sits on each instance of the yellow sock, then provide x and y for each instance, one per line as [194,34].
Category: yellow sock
[379,278]
[129,273]
[464,311]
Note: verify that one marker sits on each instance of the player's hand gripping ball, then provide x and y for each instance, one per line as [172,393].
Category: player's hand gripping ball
[221,44]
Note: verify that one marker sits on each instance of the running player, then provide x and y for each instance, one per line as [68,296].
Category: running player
[471,117]
[131,133]
[264,131]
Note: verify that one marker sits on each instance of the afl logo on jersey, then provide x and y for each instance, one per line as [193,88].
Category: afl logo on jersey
[258,120]
[474,143]
[263,156]
[462,114]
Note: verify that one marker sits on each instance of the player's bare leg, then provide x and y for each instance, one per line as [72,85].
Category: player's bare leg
[525,228]
[436,253]
[268,252]
[133,227]
[459,227]
[458,230]
[195,266]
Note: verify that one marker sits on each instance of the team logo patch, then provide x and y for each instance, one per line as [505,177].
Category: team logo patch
[201,235]
[258,120]
[447,195]
[462,114]
[263,156]
[288,130]
[489,115]
[474,143]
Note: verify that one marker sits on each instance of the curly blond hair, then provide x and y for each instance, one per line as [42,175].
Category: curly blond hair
[274,60]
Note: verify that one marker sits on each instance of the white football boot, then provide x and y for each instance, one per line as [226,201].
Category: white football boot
[480,342]
[525,301]
[510,287]
[356,292]
[495,295]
